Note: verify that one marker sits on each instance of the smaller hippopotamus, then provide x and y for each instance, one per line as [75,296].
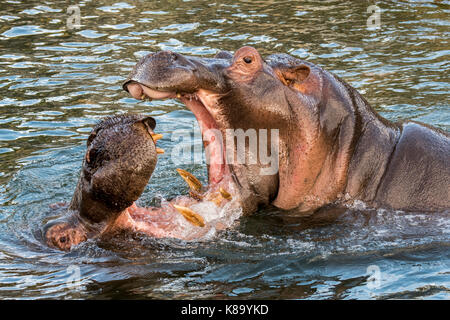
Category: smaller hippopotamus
[330,147]
[120,158]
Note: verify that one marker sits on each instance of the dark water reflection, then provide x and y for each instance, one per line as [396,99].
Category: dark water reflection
[56,82]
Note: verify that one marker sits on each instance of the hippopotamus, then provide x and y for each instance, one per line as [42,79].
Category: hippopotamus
[120,158]
[332,146]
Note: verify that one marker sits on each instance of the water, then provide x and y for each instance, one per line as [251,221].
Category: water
[56,82]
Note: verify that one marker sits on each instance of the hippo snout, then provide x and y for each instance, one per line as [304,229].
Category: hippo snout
[167,72]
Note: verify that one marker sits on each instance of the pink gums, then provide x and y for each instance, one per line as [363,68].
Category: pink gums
[212,139]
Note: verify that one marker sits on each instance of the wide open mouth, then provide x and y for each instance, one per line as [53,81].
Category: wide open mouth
[200,103]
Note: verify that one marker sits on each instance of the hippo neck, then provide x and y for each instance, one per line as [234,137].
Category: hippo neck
[373,147]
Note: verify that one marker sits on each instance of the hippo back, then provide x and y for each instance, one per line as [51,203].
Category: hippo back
[418,174]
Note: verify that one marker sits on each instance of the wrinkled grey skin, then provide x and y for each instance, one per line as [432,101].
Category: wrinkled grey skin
[334,148]
[120,158]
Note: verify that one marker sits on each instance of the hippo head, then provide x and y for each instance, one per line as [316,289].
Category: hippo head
[120,158]
[307,106]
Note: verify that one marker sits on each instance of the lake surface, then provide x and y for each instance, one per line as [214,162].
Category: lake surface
[57,80]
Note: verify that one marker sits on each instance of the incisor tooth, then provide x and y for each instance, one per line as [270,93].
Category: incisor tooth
[156,136]
[190,216]
[191,180]
[178,95]
[159,151]
[145,97]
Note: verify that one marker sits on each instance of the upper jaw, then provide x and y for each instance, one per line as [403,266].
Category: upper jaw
[170,72]
[141,92]
[196,82]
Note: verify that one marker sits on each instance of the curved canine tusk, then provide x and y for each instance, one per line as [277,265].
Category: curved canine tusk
[191,180]
[190,216]
[225,194]
[156,136]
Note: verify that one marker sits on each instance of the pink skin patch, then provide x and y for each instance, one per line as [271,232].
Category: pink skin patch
[152,221]
[209,129]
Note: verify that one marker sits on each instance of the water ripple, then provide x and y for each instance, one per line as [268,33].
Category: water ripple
[57,81]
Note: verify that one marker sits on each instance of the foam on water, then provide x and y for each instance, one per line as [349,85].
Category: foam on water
[171,224]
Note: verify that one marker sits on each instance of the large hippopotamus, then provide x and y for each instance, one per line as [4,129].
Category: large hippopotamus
[332,147]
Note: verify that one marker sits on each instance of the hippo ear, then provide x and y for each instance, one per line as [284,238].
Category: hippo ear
[92,136]
[294,77]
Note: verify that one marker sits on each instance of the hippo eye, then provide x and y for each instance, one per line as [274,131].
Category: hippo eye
[62,239]
[248,60]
